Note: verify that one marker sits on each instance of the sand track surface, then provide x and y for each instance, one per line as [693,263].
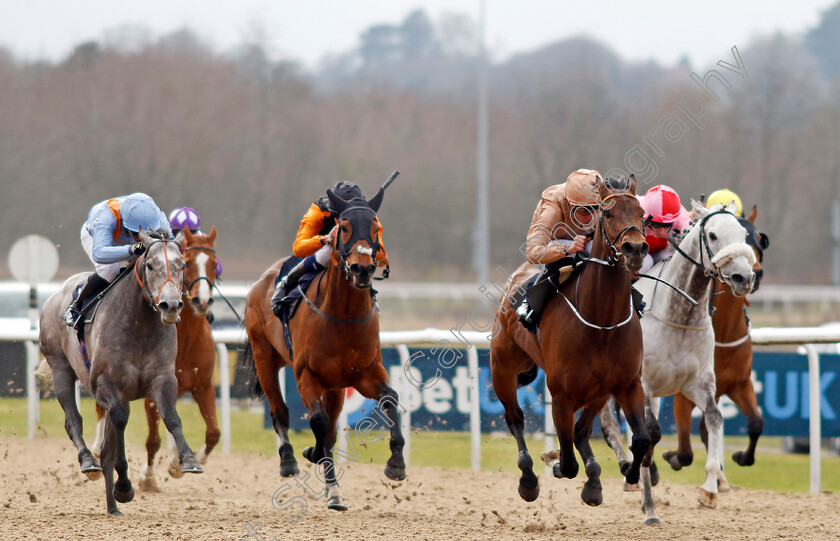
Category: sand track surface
[44,497]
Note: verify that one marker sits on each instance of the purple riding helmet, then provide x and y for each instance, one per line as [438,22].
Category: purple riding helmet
[188,217]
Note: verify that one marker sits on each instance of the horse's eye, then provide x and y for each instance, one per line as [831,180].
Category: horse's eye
[607,214]
[712,237]
[149,266]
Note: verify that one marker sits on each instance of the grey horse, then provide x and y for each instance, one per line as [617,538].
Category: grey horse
[131,346]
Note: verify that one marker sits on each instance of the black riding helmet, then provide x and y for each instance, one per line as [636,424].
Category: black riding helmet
[346,190]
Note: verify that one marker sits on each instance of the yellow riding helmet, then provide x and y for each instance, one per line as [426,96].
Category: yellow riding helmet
[724,197]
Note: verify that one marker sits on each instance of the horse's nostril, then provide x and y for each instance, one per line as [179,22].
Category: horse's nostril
[737,279]
[196,301]
[210,301]
[180,304]
[164,306]
[355,268]
[371,269]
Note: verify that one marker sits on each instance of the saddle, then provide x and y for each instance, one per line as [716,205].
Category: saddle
[541,287]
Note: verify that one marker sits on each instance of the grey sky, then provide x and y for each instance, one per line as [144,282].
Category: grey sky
[307,29]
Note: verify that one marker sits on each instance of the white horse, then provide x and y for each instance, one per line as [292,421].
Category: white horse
[679,342]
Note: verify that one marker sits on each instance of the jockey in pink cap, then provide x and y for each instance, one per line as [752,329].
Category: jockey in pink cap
[664,215]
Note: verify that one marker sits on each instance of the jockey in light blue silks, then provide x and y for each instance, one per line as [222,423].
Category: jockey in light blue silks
[110,236]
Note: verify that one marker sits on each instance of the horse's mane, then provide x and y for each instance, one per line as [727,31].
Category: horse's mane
[160,234]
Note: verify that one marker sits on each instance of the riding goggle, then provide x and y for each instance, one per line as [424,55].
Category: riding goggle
[660,225]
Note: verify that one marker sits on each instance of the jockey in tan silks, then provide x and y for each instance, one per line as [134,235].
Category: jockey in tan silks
[561,226]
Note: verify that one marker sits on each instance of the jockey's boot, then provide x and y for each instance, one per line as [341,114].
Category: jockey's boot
[286,284]
[95,284]
[638,303]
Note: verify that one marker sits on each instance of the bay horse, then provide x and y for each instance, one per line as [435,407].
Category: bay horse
[131,347]
[335,344]
[733,366]
[589,345]
[196,357]
[678,336]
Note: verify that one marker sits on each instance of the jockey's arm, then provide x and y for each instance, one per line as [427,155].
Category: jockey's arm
[104,250]
[308,241]
[546,229]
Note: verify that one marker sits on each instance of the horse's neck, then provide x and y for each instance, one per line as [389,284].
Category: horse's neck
[685,275]
[729,321]
[607,288]
[132,303]
[340,298]
[191,323]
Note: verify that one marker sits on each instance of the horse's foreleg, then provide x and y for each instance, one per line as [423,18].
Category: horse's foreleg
[389,404]
[704,396]
[64,382]
[564,422]
[147,482]
[744,397]
[648,505]
[205,397]
[683,456]
[100,430]
[333,402]
[504,384]
[611,431]
[117,418]
[164,393]
[632,401]
[592,491]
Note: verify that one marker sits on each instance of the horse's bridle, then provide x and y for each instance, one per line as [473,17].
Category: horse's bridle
[342,248]
[612,259]
[188,285]
[154,300]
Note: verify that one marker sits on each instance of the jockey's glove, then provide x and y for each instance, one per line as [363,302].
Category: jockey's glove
[138,248]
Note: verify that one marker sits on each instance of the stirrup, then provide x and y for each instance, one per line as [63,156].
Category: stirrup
[524,311]
[71,317]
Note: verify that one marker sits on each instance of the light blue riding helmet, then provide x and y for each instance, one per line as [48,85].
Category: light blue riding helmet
[140,211]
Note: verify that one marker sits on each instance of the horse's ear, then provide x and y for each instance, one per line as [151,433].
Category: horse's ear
[753,215]
[144,237]
[763,241]
[179,240]
[699,209]
[376,201]
[187,234]
[213,234]
[337,204]
[633,184]
[732,207]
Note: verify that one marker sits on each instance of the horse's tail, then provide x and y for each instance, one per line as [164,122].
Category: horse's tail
[527,376]
[44,372]
[249,366]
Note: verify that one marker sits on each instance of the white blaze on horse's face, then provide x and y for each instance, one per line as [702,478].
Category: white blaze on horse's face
[727,241]
[204,295]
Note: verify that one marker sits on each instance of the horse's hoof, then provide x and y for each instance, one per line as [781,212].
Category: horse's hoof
[550,457]
[624,467]
[90,465]
[723,486]
[148,484]
[309,454]
[592,493]
[740,458]
[635,487]
[174,471]
[529,486]
[397,474]
[124,496]
[706,498]
[654,474]
[189,464]
[94,475]
[115,513]
[289,469]
[336,504]
[653,522]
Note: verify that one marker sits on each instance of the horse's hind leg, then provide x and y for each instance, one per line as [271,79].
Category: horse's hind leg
[164,393]
[100,430]
[592,493]
[205,397]
[703,394]
[744,397]
[267,362]
[117,419]
[147,482]
[683,456]
[504,384]
[64,381]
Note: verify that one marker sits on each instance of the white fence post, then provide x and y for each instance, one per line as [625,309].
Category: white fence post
[405,392]
[475,408]
[31,389]
[549,436]
[815,419]
[224,388]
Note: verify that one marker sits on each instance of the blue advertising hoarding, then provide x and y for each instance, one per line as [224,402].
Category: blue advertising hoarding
[440,397]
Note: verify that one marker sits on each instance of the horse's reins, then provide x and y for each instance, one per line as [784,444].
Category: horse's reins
[143,285]
[611,261]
